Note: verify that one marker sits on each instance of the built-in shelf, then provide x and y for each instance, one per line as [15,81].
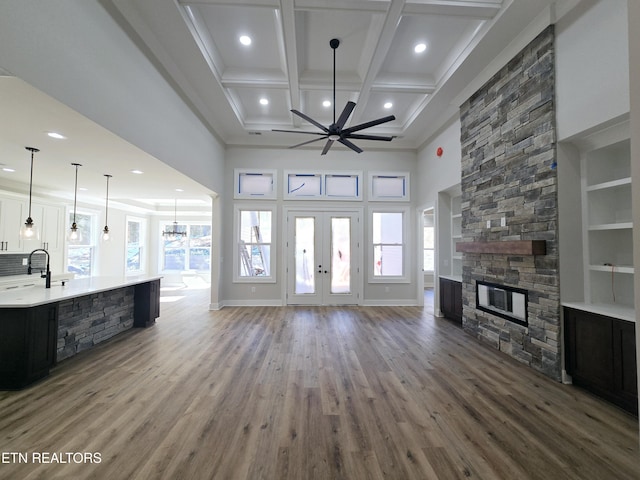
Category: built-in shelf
[612,226]
[508,247]
[612,268]
[610,184]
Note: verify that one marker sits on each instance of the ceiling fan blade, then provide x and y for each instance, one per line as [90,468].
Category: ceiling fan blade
[308,141]
[348,108]
[352,146]
[372,123]
[369,137]
[311,120]
[299,131]
[327,146]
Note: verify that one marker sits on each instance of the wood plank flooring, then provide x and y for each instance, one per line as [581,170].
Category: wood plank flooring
[308,393]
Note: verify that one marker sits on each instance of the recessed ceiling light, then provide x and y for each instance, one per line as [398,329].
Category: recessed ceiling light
[179,190]
[83,189]
[326,104]
[8,169]
[56,135]
[137,172]
[420,47]
[264,101]
[245,40]
[388,105]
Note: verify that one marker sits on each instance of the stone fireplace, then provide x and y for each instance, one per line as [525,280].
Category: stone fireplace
[509,194]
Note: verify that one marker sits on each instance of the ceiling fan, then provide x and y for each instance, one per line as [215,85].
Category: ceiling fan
[335,131]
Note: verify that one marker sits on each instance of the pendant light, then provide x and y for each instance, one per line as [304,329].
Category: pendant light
[29,231]
[173,234]
[105,233]
[75,235]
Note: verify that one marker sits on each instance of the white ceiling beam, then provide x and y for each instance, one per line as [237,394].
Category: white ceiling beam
[391,21]
[289,50]
[480,9]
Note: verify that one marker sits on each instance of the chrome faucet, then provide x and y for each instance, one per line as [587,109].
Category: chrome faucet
[47,275]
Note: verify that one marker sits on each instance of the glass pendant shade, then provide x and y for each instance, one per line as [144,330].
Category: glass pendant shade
[29,231]
[75,234]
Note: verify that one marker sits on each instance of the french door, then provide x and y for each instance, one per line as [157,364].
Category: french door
[323,258]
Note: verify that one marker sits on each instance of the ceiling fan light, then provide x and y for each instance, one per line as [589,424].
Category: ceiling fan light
[334,137]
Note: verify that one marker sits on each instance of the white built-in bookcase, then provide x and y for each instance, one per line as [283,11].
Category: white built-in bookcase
[605,165]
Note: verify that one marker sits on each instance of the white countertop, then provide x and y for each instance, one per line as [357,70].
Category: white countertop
[33,295]
[614,311]
[455,278]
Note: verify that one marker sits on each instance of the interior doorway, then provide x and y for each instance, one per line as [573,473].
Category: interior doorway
[323,257]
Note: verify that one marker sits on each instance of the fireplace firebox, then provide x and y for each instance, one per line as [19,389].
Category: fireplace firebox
[504,301]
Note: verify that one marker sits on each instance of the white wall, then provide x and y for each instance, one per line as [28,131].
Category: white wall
[75,52]
[304,160]
[592,70]
[434,173]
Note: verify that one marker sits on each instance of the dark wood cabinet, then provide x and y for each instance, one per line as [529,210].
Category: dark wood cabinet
[451,299]
[146,304]
[600,355]
[28,340]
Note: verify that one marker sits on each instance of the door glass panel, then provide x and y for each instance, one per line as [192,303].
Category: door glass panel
[305,255]
[340,255]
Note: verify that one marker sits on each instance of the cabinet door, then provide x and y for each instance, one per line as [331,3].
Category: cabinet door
[457,300]
[590,350]
[42,341]
[49,220]
[12,216]
[625,366]
[451,299]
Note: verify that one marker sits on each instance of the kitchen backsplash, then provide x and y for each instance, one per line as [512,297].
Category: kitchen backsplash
[11,264]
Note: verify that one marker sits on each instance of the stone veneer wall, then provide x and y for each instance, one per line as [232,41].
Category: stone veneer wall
[508,170]
[90,319]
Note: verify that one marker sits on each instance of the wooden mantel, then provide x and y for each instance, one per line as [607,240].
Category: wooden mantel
[508,247]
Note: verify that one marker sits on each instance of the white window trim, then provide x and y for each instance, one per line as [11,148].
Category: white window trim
[143,242]
[406,246]
[236,236]
[94,244]
[162,224]
[322,175]
[237,194]
[405,197]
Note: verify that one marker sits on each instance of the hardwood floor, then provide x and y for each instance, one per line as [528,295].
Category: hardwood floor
[307,393]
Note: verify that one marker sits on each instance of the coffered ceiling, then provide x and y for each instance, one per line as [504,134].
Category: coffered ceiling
[196,47]
[289,61]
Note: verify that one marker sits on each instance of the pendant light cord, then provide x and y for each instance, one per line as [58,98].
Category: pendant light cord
[106,207]
[30,182]
[32,150]
[75,192]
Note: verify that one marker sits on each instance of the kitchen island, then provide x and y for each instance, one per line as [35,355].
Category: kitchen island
[42,326]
